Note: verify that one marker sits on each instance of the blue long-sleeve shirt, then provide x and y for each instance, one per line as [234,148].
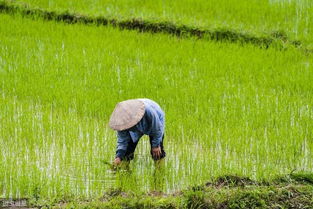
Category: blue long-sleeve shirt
[152,124]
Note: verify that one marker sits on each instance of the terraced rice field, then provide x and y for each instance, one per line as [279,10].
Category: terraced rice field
[230,108]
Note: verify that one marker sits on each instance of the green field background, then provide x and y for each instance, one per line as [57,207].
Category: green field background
[230,109]
[291,17]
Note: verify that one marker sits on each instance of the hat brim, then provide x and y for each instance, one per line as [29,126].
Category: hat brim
[127,114]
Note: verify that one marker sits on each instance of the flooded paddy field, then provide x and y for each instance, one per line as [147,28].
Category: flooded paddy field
[231,109]
[293,18]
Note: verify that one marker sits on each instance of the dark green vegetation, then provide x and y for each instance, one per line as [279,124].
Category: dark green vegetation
[233,192]
[292,17]
[277,39]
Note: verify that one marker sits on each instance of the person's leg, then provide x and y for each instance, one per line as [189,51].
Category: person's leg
[163,153]
[129,155]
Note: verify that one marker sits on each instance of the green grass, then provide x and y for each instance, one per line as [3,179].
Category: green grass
[277,39]
[255,197]
[284,194]
[229,109]
[294,17]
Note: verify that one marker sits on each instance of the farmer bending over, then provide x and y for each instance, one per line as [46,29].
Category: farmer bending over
[132,119]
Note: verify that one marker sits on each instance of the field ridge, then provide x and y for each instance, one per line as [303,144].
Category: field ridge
[229,191]
[277,39]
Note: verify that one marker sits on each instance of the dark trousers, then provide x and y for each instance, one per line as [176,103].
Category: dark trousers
[129,155]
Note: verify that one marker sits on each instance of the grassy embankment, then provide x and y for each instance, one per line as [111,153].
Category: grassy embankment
[276,38]
[293,18]
[227,192]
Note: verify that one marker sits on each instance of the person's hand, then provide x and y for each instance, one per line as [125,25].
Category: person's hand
[117,161]
[156,152]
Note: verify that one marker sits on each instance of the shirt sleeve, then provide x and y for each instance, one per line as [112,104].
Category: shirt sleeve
[156,132]
[123,138]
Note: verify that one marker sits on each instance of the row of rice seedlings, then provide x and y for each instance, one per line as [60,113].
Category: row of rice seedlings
[267,16]
[51,153]
[229,109]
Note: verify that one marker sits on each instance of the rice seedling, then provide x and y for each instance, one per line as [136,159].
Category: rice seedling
[290,18]
[230,109]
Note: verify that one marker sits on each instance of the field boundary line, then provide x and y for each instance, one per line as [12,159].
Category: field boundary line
[276,39]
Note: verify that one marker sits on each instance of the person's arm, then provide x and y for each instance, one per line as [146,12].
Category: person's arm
[123,138]
[156,132]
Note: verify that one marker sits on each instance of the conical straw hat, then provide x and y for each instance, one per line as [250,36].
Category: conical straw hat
[127,114]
